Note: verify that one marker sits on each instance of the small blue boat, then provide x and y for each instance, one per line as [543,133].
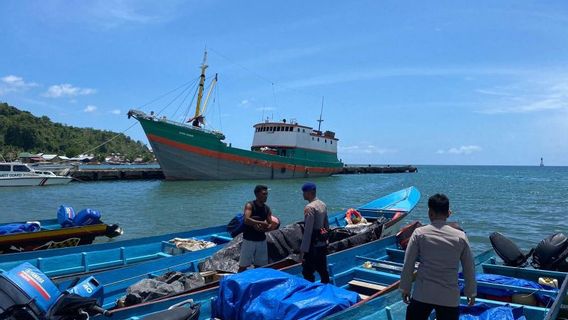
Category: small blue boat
[17,237]
[490,294]
[392,209]
[373,271]
[116,281]
[112,255]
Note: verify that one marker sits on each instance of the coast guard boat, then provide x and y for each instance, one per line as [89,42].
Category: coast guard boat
[15,174]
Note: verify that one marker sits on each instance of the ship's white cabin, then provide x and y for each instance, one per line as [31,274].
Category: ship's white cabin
[276,137]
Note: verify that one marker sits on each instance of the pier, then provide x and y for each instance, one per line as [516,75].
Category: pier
[117,173]
[355,169]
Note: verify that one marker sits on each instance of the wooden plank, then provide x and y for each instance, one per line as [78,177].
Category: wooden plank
[362,296]
[367,285]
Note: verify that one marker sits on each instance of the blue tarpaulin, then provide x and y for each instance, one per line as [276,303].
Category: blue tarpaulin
[271,294]
[19,228]
[483,311]
[510,281]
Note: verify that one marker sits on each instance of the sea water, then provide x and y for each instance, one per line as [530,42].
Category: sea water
[524,203]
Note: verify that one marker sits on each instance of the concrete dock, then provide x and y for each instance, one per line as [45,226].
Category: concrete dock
[96,174]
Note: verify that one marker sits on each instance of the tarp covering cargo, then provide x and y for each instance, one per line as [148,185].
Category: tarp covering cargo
[485,312]
[271,294]
[168,284]
[510,281]
[285,243]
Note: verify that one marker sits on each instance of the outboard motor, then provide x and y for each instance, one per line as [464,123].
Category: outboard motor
[551,253]
[26,293]
[508,251]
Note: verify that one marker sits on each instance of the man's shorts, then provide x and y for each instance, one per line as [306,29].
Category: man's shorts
[253,253]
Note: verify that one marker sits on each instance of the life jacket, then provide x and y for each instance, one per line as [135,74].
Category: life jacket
[508,251]
[551,253]
[352,213]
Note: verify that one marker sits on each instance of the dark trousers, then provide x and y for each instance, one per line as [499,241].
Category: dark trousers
[316,260]
[417,310]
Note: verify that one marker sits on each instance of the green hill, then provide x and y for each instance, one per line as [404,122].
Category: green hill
[21,131]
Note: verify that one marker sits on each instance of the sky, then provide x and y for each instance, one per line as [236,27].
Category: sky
[402,82]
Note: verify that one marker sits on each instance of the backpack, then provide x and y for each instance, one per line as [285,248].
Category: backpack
[237,225]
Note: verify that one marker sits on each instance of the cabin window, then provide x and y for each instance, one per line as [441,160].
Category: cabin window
[4,167]
[312,138]
[21,169]
[277,128]
[325,140]
[331,141]
[303,130]
[318,139]
[298,129]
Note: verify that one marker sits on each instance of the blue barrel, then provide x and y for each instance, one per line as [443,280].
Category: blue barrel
[87,217]
[65,216]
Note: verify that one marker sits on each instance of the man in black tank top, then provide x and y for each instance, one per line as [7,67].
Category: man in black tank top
[257,220]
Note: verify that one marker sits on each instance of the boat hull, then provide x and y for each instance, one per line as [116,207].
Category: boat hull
[183,165]
[33,181]
[189,153]
[49,239]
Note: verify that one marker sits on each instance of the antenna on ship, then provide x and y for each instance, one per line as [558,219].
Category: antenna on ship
[321,113]
[541,162]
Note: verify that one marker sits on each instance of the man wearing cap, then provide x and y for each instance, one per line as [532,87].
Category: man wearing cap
[313,251]
[257,220]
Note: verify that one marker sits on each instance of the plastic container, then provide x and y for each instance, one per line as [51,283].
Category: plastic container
[525,299]
[551,282]
[87,217]
[65,216]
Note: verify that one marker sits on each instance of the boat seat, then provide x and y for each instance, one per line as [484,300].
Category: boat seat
[362,296]
[367,285]
[222,238]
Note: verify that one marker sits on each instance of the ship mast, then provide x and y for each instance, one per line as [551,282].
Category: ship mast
[320,119]
[201,86]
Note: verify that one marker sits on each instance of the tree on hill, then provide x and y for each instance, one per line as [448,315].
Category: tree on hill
[20,131]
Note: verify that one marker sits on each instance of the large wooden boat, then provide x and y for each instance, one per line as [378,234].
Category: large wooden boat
[280,150]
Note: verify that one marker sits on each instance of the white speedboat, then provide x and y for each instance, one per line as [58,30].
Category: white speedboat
[15,174]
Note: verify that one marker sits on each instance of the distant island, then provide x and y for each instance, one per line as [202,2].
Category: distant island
[21,131]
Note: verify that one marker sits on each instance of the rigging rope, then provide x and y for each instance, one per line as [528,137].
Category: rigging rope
[146,104]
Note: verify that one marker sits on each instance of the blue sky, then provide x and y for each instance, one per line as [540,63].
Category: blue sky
[445,82]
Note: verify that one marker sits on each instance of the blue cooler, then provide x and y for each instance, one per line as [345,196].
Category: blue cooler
[65,216]
[87,217]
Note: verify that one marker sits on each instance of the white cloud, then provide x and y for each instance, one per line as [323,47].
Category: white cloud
[532,96]
[12,83]
[377,73]
[90,108]
[115,111]
[365,149]
[67,90]
[244,103]
[461,150]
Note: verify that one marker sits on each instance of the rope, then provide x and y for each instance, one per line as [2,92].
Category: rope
[146,104]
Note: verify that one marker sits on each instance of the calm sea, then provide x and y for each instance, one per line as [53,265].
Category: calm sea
[524,203]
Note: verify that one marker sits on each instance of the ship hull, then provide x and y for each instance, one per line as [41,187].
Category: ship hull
[183,165]
[187,153]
